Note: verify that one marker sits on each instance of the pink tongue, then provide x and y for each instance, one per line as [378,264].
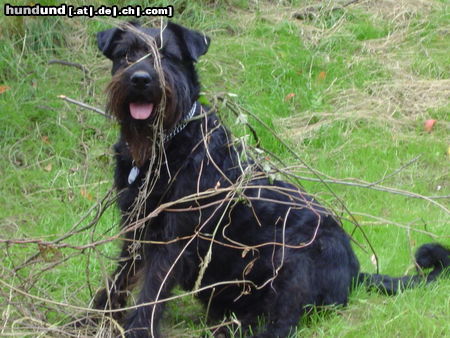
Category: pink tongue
[141,111]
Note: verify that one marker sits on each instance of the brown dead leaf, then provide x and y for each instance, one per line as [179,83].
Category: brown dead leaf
[289,96]
[428,125]
[86,194]
[4,88]
[322,75]
[49,253]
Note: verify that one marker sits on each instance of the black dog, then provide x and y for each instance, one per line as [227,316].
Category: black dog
[198,213]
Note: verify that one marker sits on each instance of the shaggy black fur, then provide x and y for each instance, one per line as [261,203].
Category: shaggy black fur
[275,248]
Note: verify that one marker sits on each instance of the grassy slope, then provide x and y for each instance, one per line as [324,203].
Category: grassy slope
[361,80]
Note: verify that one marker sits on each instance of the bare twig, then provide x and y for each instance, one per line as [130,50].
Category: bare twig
[132,307]
[84,105]
[395,191]
[71,64]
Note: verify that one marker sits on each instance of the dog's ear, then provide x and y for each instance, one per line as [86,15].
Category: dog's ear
[105,41]
[196,43]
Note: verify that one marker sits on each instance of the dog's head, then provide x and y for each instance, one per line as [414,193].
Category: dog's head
[154,78]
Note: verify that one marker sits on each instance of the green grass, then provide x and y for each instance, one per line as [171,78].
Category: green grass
[346,70]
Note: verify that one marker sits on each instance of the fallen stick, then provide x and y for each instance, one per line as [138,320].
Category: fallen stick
[84,105]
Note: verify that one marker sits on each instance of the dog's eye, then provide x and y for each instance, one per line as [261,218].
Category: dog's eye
[121,54]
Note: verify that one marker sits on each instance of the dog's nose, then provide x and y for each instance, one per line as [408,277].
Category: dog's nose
[140,79]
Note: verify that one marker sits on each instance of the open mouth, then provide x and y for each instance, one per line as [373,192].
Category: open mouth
[141,111]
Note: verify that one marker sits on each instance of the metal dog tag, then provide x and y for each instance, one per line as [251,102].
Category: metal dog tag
[133,174]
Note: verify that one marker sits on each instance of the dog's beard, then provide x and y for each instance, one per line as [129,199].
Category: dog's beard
[144,138]
[140,140]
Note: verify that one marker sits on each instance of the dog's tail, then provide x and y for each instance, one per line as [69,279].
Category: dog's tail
[428,256]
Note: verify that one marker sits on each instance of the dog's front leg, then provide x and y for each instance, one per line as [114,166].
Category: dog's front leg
[161,274]
[114,295]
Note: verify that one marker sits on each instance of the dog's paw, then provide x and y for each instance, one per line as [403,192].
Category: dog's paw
[137,326]
[100,301]
[136,330]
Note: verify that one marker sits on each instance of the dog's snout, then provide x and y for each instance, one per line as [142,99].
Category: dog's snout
[140,79]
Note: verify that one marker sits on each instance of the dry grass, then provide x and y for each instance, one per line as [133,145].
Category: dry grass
[399,11]
[395,104]
[402,101]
